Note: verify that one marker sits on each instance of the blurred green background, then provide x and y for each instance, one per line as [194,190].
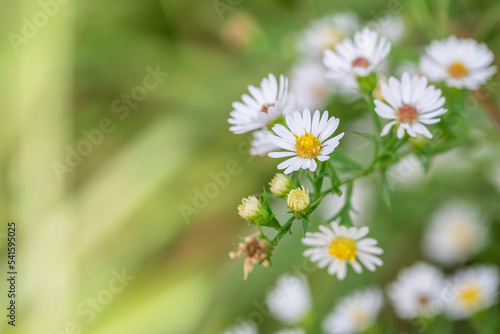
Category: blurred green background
[117,209]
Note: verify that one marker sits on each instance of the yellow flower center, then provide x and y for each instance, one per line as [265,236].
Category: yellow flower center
[407,114]
[457,70]
[360,318]
[470,296]
[307,146]
[463,236]
[343,249]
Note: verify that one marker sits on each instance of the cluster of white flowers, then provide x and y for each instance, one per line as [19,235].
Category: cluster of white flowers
[338,55]
[456,232]
[422,291]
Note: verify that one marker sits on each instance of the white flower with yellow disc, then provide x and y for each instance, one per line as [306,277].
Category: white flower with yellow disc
[306,140]
[336,247]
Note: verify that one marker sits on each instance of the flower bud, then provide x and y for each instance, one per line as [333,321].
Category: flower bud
[256,250]
[298,200]
[280,185]
[251,209]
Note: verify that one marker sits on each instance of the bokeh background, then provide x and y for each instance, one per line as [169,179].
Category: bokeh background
[118,208]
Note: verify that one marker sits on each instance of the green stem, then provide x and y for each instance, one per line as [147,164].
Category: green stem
[286,228]
[376,118]
[318,182]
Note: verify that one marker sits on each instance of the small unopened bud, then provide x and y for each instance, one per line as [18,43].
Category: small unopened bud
[298,200]
[252,210]
[280,185]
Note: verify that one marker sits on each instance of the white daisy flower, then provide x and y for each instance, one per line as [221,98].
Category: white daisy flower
[309,85]
[341,245]
[326,33]
[354,313]
[306,141]
[456,232]
[410,103]
[245,327]
[260,146]
[460,62]
[290,300]
[265,105]
[473,289]
[417,292]
[291,331]
[358,57]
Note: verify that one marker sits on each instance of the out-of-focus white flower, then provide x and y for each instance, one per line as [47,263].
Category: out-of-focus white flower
[260,145]
[456,232]
[280,185]
[361,202]
[246,327]
[358,57]
[305,140]
[410,103]
[298,200]
[335,247]
[265,105]
[326,33]
[291,331]
[309,85]
[417,292]
[290,300]
[391,27]
[460,62]
[406,172]
[354,313]
[472,290]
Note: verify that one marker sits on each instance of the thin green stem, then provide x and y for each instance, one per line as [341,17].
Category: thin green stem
[318,182]
[284,230]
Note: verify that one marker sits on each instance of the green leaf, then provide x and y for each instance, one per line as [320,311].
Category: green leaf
[274,223]
[271,221]
[266,202]
[343,159]
[315,204]
[305,225]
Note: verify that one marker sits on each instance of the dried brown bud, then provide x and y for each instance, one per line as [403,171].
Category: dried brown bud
[256,251]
